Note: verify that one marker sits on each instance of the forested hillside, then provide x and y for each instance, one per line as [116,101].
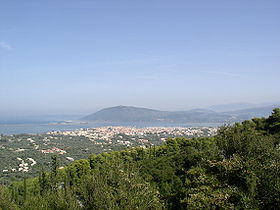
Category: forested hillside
[239,168]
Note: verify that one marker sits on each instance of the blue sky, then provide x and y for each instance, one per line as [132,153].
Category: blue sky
[77,56]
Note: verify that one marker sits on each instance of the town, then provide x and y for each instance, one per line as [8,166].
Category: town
[27,154]
[108,133]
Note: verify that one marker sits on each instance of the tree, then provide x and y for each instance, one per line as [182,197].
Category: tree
[115,186]
[6,200]
[43,182]
[273,121]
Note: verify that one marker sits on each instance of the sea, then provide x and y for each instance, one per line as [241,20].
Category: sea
[37,127]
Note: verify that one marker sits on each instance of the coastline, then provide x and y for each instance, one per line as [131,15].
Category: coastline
[38,128]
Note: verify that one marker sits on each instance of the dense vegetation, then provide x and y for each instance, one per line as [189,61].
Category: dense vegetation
[237,169]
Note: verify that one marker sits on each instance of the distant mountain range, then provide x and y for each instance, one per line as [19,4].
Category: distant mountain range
[240,106]
[127,114]
[232,107]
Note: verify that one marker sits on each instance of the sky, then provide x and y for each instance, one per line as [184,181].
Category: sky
[78,56]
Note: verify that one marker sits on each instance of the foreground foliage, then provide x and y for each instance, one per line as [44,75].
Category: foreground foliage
[237,169]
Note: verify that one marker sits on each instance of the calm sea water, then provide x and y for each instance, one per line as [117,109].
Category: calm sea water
[39,127]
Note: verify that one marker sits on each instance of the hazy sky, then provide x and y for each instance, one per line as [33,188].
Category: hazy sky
[76,56]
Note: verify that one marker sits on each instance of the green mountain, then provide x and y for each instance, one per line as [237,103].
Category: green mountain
[128,114]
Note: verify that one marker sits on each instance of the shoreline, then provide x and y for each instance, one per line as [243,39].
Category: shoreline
[18,129]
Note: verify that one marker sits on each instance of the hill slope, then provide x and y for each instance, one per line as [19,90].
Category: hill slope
[125,114]
[135,114]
